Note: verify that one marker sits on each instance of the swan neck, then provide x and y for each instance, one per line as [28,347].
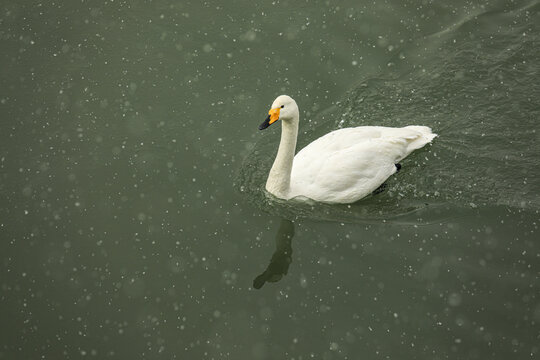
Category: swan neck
[279,179]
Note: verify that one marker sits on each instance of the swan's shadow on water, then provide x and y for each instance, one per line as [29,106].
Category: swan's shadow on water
[282,257]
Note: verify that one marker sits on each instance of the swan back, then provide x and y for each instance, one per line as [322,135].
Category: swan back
[346,165]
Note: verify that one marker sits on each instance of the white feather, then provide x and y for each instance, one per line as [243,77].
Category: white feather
[342,166]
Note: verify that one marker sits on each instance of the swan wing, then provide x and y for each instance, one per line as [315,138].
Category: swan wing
[348,164]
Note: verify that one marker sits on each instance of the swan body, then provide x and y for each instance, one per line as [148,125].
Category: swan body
[342,166]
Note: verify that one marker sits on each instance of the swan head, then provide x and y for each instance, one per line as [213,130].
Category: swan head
[283,108]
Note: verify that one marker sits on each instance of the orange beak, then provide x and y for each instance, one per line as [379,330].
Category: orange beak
[273,116]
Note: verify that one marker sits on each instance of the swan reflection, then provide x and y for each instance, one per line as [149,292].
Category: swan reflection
[282,257]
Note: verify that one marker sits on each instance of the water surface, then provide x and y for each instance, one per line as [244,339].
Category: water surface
[133,220]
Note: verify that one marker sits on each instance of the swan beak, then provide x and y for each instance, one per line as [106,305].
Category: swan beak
[273,116]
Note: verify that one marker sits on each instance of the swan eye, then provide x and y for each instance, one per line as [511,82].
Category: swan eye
[282,106]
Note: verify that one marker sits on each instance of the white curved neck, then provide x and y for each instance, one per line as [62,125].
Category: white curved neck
[279,179]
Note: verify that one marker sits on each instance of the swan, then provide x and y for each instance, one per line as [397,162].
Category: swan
[342,166]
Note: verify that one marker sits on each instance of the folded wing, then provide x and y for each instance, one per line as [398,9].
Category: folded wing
[348,164]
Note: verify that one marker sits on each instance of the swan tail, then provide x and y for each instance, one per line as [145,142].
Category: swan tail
[423,136]
[425,131]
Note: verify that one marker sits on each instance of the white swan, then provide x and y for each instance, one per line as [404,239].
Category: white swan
[342,166]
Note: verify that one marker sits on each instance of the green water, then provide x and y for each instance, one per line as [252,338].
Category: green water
[133,221]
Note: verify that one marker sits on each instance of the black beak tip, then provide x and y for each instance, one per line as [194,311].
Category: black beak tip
[265,124]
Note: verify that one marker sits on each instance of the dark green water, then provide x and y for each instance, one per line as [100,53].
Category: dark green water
[133,222]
